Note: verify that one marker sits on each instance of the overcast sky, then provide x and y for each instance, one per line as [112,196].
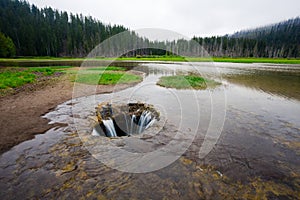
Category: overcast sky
[187,17]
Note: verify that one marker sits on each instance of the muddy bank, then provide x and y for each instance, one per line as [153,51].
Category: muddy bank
[20,113]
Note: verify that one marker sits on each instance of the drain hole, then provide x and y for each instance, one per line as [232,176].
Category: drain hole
[124,120]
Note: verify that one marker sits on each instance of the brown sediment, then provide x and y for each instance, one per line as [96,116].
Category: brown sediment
[21,111]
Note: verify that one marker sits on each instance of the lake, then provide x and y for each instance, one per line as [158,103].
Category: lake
[238,140]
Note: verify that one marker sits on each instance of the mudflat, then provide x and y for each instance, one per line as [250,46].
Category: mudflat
[21,112]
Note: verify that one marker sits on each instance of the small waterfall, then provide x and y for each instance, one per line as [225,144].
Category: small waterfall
[151,123]
[145,120]
[125,120]
[110,128]
[132,124]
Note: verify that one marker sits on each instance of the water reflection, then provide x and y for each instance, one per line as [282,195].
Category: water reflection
[286,84]
[257,155]
[280,80]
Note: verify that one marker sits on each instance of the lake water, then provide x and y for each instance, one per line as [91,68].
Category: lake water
[240,139]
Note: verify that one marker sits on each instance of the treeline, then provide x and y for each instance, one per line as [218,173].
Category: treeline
[30,31]
[48,32]
[274,41]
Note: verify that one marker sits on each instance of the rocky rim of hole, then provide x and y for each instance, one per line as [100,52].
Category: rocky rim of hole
[126,119]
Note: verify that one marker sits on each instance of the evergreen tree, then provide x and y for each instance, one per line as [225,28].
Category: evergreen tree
[48,32]
[7,47]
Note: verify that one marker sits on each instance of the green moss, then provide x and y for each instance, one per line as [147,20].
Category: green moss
[186,82]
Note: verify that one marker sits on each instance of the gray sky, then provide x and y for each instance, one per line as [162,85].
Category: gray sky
[187,17]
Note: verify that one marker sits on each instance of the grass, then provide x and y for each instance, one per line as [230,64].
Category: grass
[16,77]
[217,59]
[186,82]
[154,58]
[259,60]
[13,77]
[45,71]
[60,68]
[78,61]
[107,78]
[102,75]
[109,68]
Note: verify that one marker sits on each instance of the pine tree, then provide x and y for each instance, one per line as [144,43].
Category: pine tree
[7,47]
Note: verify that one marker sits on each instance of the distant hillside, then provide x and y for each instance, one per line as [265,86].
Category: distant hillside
[287,30]
[277,40]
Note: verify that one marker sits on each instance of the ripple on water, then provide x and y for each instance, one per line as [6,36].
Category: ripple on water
[257,156]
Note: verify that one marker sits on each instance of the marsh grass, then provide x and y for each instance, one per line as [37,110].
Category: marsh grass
[107,78]
[186,82]
[259,60]
[109,68]
[53,61]
[216,59]
[16,77]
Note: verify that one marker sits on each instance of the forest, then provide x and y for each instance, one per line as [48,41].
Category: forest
[281,40]
[48,32]
[26,30]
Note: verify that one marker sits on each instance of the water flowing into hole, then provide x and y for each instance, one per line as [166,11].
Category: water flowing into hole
[110,128]
[145,121]
[124,120]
